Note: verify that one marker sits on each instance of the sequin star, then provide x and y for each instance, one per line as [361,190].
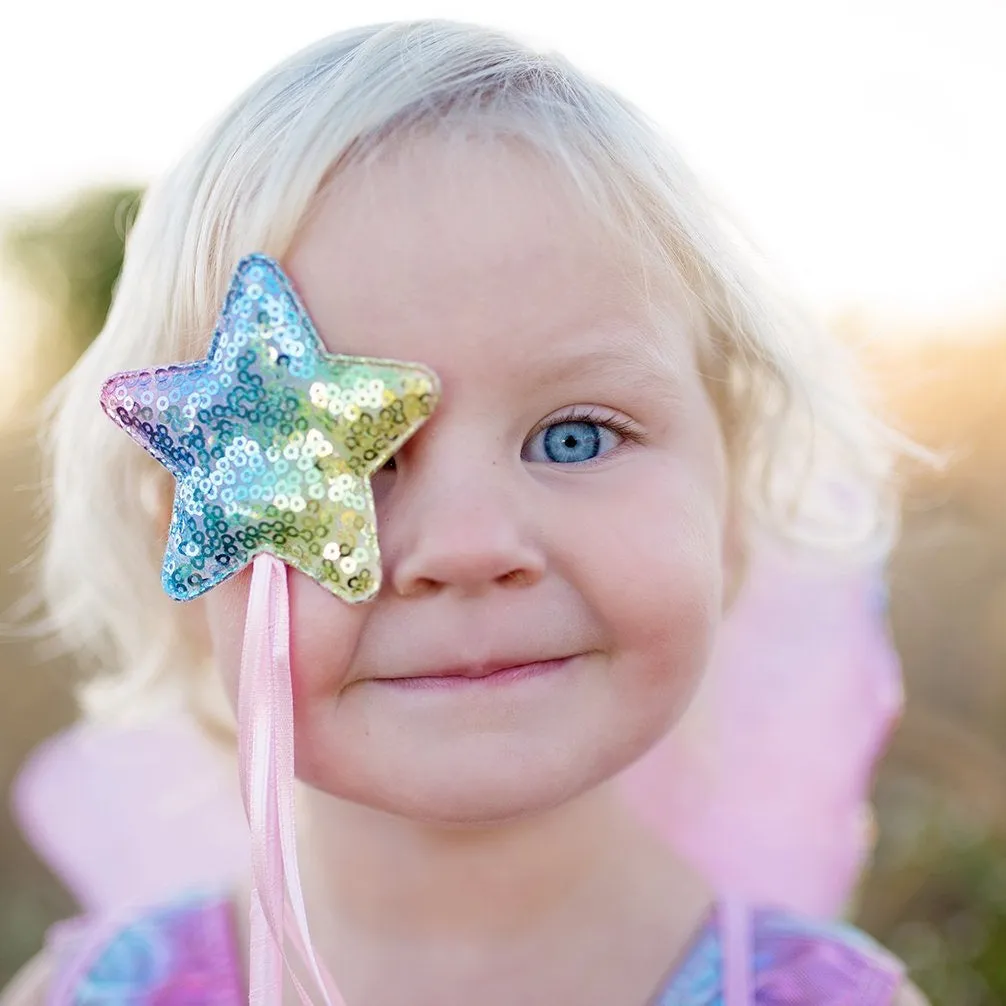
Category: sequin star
[272,442]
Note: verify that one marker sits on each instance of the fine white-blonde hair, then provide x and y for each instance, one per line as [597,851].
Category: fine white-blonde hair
[792,416]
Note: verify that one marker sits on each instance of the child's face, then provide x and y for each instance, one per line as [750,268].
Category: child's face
[566,503]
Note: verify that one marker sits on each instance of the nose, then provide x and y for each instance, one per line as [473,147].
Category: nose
[460,530]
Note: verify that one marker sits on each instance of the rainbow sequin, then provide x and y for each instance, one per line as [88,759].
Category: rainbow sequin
[272,442]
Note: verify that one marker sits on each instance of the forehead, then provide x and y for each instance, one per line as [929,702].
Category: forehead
[464,253]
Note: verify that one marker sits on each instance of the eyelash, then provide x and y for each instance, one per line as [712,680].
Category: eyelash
[625,429]
[581,414]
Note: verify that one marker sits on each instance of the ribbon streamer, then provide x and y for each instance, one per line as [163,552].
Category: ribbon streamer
[266,759]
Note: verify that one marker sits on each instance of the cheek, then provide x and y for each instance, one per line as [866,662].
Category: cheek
[653,573]
[323,634]
[323,637]
[225,608]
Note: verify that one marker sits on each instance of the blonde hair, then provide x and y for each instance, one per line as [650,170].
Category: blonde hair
[792,416]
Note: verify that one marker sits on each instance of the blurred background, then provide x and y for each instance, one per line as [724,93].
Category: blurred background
[862,145]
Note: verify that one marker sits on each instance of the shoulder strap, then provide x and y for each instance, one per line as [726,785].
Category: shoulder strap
[736,936]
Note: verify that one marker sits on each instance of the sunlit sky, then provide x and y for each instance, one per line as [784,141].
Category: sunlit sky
[863,143]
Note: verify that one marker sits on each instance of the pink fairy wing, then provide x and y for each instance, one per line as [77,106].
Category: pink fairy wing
[133,816]
[765,783]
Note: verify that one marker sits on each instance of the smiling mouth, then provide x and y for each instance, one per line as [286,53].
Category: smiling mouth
[479,677]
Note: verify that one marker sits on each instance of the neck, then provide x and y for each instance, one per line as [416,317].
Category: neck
[398,876]
[546,892]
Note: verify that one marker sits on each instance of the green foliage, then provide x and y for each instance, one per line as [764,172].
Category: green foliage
[67,261]
[953,934]
[937,892]
[71,259]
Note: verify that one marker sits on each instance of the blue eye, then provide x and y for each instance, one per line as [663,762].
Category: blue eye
[571,441]
[566,443]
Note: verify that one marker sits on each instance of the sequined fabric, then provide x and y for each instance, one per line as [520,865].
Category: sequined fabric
[272,442]
[185,954]
[797,962]
[179,954]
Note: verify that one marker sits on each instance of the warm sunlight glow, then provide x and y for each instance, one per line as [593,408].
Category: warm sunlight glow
[859,143]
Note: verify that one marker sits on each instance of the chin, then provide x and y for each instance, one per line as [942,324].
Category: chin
[484,759]
[475,785]
[484,808]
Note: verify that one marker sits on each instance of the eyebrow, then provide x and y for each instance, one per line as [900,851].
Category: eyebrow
[636,363]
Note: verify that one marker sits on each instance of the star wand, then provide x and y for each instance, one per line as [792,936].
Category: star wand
[272,442]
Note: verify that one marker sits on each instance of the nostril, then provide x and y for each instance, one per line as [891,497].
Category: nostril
[416,588]
[515,578]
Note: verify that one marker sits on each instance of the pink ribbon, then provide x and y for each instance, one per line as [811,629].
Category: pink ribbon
[266,759]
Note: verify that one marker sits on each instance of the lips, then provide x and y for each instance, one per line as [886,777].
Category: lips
[482,670]
[497,671]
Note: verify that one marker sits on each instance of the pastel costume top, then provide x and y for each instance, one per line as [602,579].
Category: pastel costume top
[185,952]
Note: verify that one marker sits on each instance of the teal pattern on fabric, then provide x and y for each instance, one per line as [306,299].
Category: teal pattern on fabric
[185,953]
[796,962]
[181,953]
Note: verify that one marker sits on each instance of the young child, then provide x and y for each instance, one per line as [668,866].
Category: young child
[601,406]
